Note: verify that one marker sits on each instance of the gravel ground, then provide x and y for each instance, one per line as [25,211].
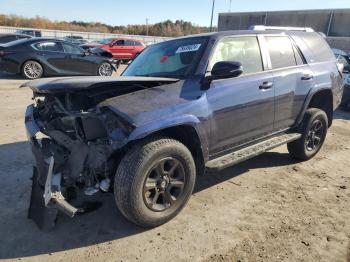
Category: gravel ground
[270,208]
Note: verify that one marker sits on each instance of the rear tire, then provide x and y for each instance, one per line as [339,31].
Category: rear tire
[314,130]
[105,69]
[154,181]
[32,70]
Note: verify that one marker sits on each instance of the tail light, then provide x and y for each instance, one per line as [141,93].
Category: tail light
[5,53]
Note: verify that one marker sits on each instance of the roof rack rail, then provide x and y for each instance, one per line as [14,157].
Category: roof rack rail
[283,28]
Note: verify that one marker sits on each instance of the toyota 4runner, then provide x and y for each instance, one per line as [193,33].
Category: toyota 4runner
[203,102]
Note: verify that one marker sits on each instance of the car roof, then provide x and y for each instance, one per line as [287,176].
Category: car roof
[124,38]
[248,32]
[32,41]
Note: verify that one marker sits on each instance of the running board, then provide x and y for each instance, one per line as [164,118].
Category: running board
[241,155]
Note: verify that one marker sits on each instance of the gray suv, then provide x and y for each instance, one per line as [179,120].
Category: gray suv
[203,102]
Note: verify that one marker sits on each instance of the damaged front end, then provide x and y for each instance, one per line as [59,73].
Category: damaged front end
[75,145]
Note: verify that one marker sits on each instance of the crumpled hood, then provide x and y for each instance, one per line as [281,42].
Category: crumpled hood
[91,83]
[156,103]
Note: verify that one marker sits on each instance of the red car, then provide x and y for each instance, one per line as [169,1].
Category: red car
[121,48]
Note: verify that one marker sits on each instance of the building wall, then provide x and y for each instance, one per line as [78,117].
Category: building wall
[330,22]
[342,43]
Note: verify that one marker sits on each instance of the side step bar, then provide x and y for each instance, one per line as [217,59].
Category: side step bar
[241,155]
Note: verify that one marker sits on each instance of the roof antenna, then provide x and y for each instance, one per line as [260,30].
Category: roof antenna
[229,10]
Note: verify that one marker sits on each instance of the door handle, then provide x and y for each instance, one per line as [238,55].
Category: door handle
[307,76]
[266,85]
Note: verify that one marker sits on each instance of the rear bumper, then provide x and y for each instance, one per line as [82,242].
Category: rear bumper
[9,66]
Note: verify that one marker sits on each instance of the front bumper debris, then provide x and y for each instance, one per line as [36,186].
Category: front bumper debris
[46,196]
[53,196]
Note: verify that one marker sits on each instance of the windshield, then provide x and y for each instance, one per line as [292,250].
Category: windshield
[175,58]
[105,41]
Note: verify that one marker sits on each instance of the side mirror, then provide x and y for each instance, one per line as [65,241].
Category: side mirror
[86,53]
[225,69]
[222,70]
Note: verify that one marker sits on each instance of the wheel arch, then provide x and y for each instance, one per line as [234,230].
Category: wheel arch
[321,99]
[188,133]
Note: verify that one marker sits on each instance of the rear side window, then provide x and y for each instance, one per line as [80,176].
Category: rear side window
[318,47]
[245,50]
[281,51]
[129,43]
[48,46]
[137,43]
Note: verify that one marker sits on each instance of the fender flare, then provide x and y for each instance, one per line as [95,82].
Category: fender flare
[307,101]
[184,120]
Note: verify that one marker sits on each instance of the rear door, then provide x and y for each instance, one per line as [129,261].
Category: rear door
[292,79]
[242,107]
[51,53]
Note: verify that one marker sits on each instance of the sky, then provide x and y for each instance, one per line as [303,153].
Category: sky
[123,12]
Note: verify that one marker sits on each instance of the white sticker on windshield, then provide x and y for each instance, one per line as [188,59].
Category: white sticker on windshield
[188,48]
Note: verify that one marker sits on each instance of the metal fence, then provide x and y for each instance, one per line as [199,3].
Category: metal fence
[91,36]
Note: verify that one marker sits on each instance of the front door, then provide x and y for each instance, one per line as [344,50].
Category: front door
[242,107]
[77,62]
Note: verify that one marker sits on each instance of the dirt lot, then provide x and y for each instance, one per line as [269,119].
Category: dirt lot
[267,209]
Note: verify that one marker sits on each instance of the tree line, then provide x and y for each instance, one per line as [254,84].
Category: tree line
[166,28]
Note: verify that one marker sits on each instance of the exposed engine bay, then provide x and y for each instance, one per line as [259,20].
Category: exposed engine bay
[76,141]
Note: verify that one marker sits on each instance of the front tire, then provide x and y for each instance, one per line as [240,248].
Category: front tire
[32,70]
[154,181]
[314,130]
[105,69]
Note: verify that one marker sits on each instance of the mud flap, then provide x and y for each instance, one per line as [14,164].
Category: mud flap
[44,218]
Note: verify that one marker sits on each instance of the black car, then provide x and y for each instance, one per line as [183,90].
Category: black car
[37,57]
[6,38]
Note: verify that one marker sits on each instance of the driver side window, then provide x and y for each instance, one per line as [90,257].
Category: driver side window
[119,43]
[245,50]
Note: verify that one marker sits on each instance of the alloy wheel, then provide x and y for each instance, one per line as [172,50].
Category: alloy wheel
[32,70]
[105,70]
[314,137]
[164,184]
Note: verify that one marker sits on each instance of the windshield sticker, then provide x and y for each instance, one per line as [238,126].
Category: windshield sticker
[188,48]
[164,59]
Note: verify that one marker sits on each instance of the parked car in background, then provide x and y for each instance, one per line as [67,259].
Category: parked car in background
[77,40]
[37,57]
[34,33]
[182,106]
[343,59]
[121,48]
[6,38]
